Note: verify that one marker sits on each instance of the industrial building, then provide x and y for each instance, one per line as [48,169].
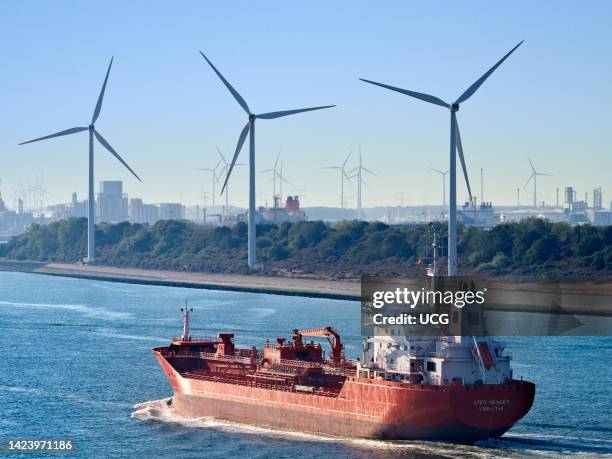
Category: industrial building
[112,204]
[140,212]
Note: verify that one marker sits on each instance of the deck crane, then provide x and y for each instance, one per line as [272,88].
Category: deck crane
[324,332]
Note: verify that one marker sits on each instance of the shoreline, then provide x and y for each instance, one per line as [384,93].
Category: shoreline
[312,288]
[583,298]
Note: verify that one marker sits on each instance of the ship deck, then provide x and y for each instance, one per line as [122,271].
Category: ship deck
[262,380]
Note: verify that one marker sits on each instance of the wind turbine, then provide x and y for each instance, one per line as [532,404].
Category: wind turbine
[91,216]
[443,174]
[281,180]
[534,176]
[250,128]
[455,144]
[274,171]
[343,176]
[360,181]
[225,170]
[215,177]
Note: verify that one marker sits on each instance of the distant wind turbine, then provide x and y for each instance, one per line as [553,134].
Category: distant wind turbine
[224,171]
[274,171]
[358,170]
[343,176]
[91,216]
[215,177]
[455,144]
[534,175]
[250,128]
[443,174]
[278,174]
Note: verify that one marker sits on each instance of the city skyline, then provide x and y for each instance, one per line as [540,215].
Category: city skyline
[553,99]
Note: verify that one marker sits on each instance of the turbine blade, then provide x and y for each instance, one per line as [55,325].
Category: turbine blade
[241,139]
[417,95]
[73,130]
[472,89]
[531,164]
[106,145]
[101,96]
[529,180]
[435,170]
[272,115]
[285,180]
[270,181]
[348,179]
[465,174]
[276,162]
[347,158]
[237,96]
[331,167]
[221,155]
[368,170]
[546,175]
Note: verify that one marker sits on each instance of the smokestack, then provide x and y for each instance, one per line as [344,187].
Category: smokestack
[481,185]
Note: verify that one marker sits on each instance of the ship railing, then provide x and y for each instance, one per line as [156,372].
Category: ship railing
[300,363]
[209,355]
[340,371]
[208,339]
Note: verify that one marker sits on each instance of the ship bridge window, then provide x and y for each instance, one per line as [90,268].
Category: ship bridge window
[431,366]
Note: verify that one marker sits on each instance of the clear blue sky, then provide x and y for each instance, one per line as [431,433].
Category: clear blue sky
[165,109]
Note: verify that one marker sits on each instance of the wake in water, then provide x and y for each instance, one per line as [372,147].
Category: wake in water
[84,310]
[509,446]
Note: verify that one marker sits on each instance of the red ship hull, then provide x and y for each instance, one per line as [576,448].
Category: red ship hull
[363,407]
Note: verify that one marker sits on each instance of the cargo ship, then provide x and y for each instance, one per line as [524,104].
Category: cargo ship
[458,389]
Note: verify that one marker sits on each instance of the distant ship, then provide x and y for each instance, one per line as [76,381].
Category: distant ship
[481,215]
[429,388]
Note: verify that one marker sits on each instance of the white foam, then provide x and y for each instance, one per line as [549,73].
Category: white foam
[87,311]
[162,411]
[112,334]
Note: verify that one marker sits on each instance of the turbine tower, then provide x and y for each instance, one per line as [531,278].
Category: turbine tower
[455,145]
[91,216]
[443,174]
[250,128]
[358,170]
[534,176]
[343,176]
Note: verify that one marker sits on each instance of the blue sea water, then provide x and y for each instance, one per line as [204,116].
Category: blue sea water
[76,363]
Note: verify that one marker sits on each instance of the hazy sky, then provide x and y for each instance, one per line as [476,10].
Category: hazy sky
[165,109]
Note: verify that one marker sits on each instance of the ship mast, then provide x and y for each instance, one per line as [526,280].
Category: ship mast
[186,336]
